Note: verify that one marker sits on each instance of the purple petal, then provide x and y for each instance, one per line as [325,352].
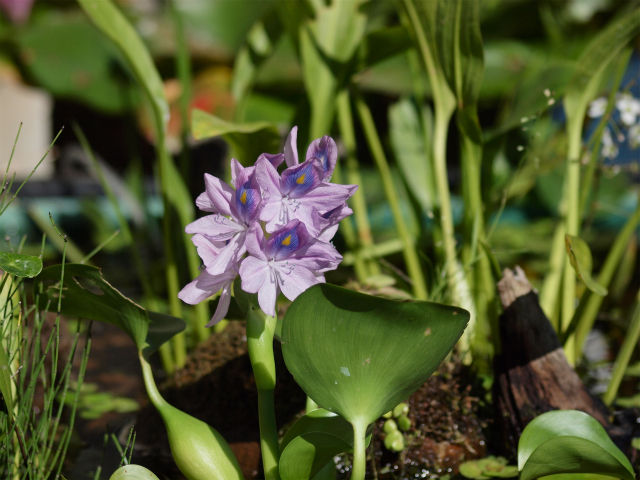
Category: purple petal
[295,280]
[254,242]
[324,226]
[254,273]
[291,148]
[274,159]
[216,227]
[247,202]
[204,286]
[219,193]
[267,297]
[239,174]
[325,150]
[223,305]
[284,242]
[228,257]
[300,179]
[267,178]
[328,196]
[203,202]
[319,256]
[208,250]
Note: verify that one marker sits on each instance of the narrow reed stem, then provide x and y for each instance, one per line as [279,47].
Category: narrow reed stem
[409,250]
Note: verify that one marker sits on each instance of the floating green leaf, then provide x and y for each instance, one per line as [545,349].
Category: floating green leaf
[312,442]
[20,265]
[581,261]
[86,294]
[360,355]
[133,472]
[569,442]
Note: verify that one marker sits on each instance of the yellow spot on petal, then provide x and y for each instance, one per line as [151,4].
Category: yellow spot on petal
[300,179]
[243,197]
[286,241]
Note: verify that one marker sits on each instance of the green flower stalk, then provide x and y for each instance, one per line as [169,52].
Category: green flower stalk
[199,451]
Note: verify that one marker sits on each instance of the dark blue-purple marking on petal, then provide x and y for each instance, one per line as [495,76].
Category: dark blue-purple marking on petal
[247,201]
[285,242]
[296,181]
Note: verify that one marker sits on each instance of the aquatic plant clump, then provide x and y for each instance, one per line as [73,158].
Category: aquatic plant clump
[273,229]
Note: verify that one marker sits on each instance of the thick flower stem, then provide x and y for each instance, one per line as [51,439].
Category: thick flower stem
[260,331]
[409,250]
[359,451]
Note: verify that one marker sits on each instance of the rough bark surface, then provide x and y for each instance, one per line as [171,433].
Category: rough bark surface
[532,374]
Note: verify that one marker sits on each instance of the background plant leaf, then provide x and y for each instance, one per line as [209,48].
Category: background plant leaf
[20,265]
[359,355]
[569,441]
[247,140]
[581,261]
[86,294]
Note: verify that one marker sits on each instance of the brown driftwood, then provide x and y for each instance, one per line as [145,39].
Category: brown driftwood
[532,375]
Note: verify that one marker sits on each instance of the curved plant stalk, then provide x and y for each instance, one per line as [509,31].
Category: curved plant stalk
[199,451]
[409,250]
[260,331]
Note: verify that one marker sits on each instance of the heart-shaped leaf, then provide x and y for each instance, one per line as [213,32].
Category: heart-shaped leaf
[359,355]
[312,442]
[569,442]
[20,265]
[86,294]
[581,261]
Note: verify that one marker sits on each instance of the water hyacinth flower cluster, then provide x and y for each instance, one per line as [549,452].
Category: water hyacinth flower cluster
[273,229]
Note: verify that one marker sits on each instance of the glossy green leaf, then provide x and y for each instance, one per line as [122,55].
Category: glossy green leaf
[133,472]
[581,261]
[569,442]
[86,294]
[360,355]
[20,265]
[69,58]
[248,140]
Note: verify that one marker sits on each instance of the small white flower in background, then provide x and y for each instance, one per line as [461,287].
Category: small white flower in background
[609,148]
[629,108]
[634,136]
[597,107]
